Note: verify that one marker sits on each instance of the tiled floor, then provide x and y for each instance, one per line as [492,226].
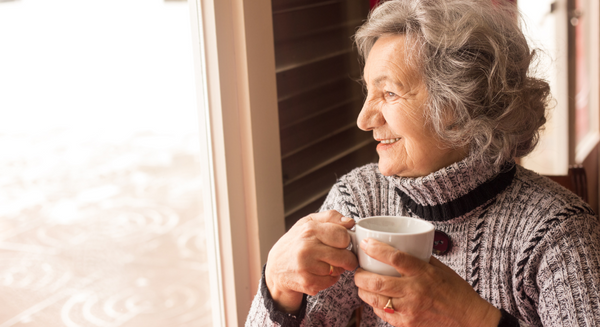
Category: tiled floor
[101,233]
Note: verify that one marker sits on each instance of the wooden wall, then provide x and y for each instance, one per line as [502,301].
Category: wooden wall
[319,98]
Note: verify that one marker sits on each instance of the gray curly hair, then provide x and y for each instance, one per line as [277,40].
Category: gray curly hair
[474,60]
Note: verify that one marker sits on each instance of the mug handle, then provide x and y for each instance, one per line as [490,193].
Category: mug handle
[353,242]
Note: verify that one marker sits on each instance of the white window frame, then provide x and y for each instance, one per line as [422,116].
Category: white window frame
[551,156]
[560,129]
[591,139]
[243,192]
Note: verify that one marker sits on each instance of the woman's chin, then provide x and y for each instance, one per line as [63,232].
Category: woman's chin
[398,170]
[388,170]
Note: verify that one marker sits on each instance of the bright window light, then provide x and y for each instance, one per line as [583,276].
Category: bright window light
[101,194]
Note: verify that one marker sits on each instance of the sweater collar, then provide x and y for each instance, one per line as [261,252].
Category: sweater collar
[454,190]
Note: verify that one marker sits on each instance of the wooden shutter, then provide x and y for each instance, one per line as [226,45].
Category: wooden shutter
[319,98]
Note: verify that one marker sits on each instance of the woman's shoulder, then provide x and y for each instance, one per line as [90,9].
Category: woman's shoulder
[541,214]
[549,198]
[536,184]
[537,207]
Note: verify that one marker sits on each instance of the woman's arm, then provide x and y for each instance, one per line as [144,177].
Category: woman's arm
[329,305]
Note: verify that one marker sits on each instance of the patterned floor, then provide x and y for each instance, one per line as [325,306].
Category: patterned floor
[101,232]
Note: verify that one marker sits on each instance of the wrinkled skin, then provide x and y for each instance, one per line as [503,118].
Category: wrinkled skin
[300,261]
[427,294]
[395,110]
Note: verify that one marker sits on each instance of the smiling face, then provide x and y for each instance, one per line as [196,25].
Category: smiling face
[394,111]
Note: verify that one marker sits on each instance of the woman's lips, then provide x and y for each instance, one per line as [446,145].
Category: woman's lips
[389,141]
[387,144]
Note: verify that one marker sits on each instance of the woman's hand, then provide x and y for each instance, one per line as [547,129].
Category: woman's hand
[301,260]
[427,294]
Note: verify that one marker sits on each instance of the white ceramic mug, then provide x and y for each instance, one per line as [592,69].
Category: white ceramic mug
[409,235]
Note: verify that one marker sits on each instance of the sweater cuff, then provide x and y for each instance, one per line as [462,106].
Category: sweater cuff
[508,320]
[283,318]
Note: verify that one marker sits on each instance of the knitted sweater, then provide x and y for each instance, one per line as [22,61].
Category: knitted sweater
[524,243]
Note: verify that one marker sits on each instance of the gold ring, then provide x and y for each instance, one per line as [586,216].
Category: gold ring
[388,307]
[330,270]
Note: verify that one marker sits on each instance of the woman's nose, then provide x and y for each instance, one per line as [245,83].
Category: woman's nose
[370,116]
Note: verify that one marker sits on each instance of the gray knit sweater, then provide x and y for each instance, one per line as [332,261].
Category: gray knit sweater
[524,243]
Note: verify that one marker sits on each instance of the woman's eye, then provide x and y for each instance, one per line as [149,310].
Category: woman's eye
[390,94]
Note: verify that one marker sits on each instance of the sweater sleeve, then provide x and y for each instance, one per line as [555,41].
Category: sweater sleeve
[264,313]
[330,307]
[561,280]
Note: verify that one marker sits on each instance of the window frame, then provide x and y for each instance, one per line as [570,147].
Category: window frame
[243,197]
[592,138]
[561,127]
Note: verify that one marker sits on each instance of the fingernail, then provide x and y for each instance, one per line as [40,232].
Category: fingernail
[346,219]
[364,243]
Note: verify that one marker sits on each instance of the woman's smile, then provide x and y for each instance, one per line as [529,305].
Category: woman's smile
[389,141]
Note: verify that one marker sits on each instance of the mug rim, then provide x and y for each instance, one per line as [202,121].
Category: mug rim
[425,222]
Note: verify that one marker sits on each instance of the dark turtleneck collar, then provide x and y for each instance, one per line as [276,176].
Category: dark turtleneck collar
[455,190]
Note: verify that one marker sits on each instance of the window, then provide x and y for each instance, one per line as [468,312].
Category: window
[567,32]
[101,208]
[546,30]
[234,54]
[584,19]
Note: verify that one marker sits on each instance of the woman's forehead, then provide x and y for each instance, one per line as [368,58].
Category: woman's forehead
[390,60]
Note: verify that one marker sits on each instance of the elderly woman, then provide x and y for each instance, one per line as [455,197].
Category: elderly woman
[451,104]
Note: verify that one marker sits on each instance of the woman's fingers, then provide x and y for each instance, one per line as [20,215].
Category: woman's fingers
[329,227]
[306,283]
[377,301]
[339,257]
[331,216]
[310,257]
[327,269]
[429,294]
[379,284]
[411,299]
[402,313]
[404,263]
[325,256]
[313,284]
